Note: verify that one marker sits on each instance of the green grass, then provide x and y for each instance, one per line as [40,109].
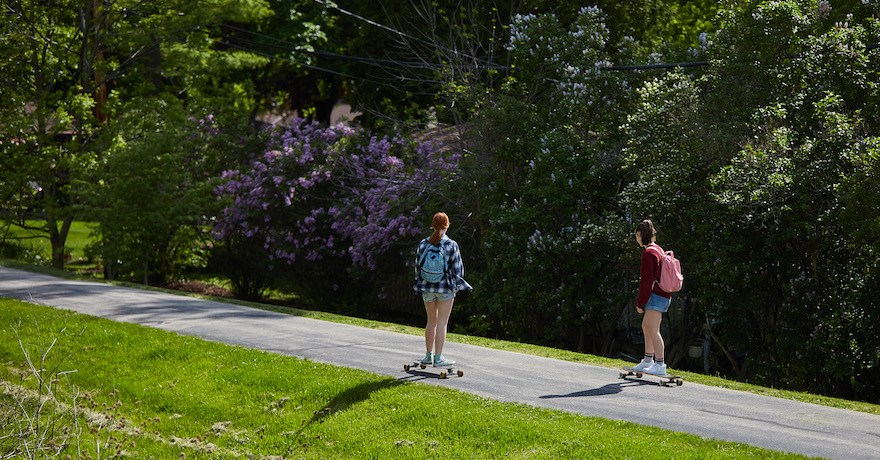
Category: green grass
[501,345]
[163,395]
[77,239]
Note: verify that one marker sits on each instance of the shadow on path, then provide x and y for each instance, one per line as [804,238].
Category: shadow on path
[414,375]
[610,389]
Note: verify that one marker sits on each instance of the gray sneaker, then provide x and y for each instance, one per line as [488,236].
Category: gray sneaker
[656,369]
[440,361]
[643,366]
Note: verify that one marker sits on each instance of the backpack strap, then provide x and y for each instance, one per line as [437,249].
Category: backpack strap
[657,251]
[422,256]
[660,255]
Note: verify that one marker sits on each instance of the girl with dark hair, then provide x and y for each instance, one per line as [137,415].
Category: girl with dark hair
[439,275]
[652,301]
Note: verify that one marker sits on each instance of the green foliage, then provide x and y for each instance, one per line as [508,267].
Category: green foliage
[28,245]
[291,77]
[154,193]
[650,22]
[757,172]
[546,173]
[69,62]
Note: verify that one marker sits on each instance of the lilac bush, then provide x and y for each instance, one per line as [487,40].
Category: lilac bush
[317,193]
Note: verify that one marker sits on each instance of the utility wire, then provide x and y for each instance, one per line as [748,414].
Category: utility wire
[293,47]
[313,67]
[655,66]
[276,56]
[336,7]
[367,20]
[426,65]
[870,47]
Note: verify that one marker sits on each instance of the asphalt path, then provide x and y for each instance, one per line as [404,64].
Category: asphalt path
[706,411]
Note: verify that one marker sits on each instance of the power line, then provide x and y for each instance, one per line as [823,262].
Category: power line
[367,20]
[395,31]
[870,47]
[293,47]
[427,65]
[656,66]
[313,67]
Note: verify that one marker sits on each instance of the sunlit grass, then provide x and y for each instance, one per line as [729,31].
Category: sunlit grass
[78,237]
[170,395]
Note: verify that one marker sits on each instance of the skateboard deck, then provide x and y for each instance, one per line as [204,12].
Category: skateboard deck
[665,379]
[445,371]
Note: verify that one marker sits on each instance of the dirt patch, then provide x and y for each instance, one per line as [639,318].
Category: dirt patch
[198,287]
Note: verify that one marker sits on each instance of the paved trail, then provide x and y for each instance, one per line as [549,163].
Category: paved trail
[590,390]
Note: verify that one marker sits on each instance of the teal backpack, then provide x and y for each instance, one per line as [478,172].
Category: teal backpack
[432,265]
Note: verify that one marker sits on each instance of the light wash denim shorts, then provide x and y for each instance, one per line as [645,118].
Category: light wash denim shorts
[435,296]
[658,302]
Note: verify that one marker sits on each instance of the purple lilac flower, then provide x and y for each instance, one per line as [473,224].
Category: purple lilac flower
[318,192]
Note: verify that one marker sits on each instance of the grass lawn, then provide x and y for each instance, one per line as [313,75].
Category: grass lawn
[77,239]
[147,393]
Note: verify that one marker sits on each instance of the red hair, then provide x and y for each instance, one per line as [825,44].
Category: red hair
[440,222]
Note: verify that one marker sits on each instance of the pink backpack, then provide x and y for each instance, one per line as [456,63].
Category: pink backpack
[671,278]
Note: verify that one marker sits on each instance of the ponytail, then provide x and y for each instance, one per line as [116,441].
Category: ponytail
[440,223]
[647,231]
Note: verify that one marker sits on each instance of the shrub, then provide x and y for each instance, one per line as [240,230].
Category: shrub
[327,206]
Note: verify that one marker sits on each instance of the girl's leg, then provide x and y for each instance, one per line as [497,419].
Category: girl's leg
[444,309]
[648,333]
[431,309]
[653,339]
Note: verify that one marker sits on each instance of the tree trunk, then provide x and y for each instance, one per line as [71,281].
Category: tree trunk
[58,238]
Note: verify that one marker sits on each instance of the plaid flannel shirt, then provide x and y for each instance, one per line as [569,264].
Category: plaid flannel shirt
[454,279]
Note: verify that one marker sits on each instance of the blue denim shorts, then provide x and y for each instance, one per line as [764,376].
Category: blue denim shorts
[436,296]
[658,302]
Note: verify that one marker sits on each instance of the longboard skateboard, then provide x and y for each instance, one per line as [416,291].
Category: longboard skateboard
[665,379]
[444,372]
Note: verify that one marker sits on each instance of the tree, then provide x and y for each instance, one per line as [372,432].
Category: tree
[402,57]
[295,40]
[51,116]
[68,61]
[545,157]
[758,161]
[151,204]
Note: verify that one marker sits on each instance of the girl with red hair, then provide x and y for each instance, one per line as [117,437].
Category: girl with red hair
[439,275]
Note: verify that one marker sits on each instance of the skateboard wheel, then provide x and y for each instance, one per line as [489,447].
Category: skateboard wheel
[461,374]
[406,367]
[679,382]
[443,375]
[639,374]
[622,375]
[422,366]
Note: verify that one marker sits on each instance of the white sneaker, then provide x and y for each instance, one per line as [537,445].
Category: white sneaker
[640,367]
[440,361]
[656,369]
